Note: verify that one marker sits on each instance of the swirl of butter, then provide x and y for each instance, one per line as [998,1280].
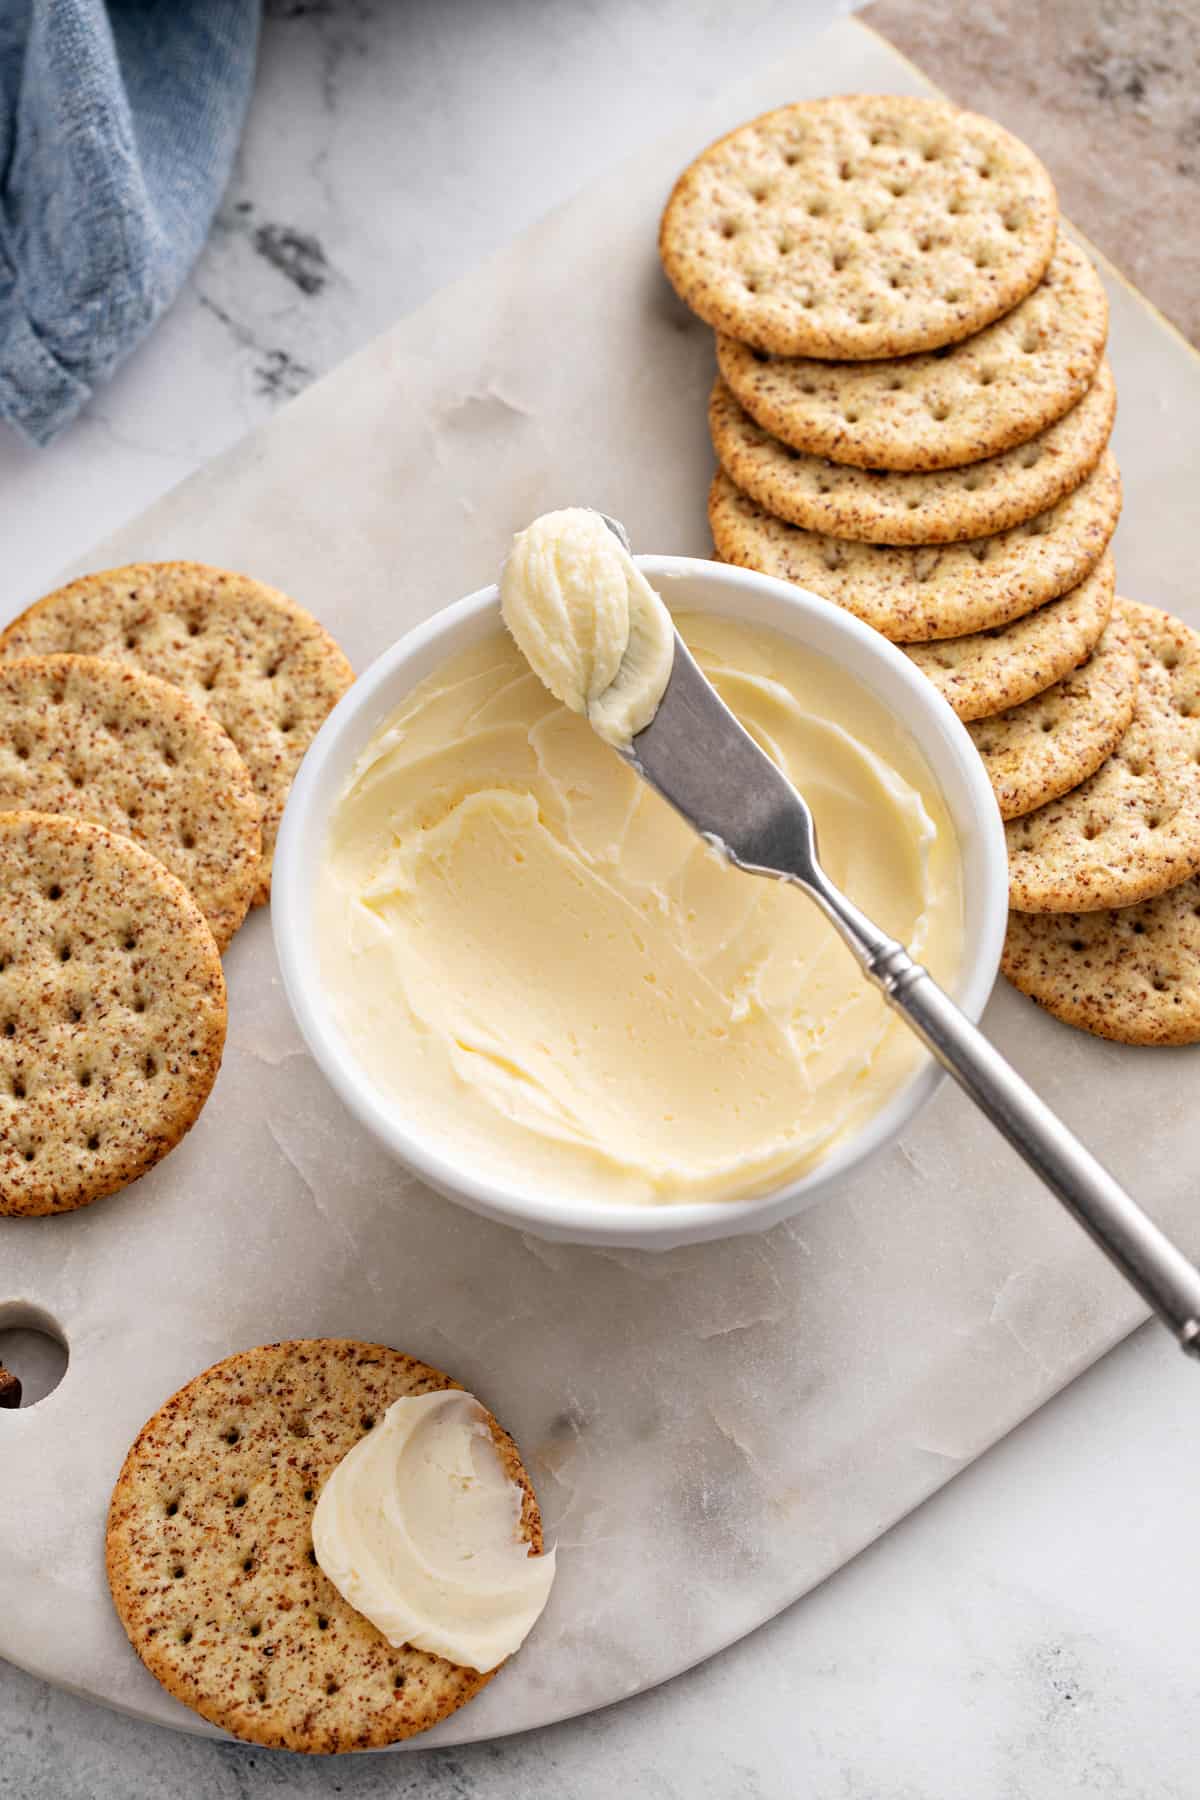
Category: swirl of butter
[418,1528]
[588,622]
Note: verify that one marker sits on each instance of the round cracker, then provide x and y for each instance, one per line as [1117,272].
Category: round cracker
[989,671]
[1132,974]
[879,506]
[938,410]
[1046,746]
[914,594]
[1132,831]
[258,663]
[866,225]
[105,742]
[210,1558]
[112,1012]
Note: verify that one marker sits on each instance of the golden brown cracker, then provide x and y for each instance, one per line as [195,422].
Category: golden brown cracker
[1131,831]
[258,663]
[914,594]
[878,506]
[210,1558]
[112,1012]
[970,400]
[103,741]
[866,225]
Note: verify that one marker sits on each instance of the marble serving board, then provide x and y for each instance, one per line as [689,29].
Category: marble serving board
[712,1430]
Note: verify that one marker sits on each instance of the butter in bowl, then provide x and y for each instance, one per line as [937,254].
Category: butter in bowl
[546,995]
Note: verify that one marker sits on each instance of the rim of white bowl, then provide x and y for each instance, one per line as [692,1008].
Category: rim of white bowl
[941,739]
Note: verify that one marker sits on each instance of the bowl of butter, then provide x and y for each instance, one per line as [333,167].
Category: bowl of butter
[539,988]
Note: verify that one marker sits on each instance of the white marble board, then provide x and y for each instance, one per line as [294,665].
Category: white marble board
[713,1430]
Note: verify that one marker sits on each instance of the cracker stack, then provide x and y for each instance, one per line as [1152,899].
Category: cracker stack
[911,417]
[151,721]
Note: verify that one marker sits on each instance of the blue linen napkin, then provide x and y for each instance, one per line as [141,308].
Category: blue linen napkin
[118,127]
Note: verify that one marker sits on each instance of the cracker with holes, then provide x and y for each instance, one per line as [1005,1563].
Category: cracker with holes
[913,594]
[989,671]
[1132,831]
[1132,975]
[105,742]
[261,666]
[868,225]
[210,1555]
[947,407]
[112,1012]
[879,506]
[1048,745]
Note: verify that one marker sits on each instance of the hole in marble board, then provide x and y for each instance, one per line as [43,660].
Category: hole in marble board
[33,1349]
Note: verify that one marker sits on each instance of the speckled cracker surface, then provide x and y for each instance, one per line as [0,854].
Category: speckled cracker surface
[1132,831]
[112,1012]
[106,742]
[1046,746]
[1132,975]
[882,507]
[957,405]
[210,1558]
[915,593]
[989,671]
[262,666]
[866,225]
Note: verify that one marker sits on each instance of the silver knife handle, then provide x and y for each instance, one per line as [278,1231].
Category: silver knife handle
[1133,1242]
[1147,1258]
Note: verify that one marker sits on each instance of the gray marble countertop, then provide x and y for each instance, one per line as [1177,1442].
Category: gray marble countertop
[1108,92]
[1020,1635]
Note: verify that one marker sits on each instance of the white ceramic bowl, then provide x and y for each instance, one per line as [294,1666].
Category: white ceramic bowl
[697,587]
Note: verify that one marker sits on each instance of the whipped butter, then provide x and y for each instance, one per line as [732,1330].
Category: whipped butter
[554,980]
[418,1528]
[587,621]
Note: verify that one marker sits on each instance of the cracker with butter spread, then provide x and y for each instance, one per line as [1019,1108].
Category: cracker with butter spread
[210,1558]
